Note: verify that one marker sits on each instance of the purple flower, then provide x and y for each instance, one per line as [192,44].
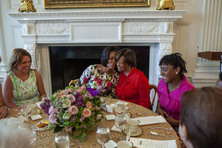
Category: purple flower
[92,91]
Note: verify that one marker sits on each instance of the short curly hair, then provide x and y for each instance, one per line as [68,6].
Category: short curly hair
[176,60]
[129,56]
[105,54]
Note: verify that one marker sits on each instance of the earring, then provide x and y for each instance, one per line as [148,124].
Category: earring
[176,73]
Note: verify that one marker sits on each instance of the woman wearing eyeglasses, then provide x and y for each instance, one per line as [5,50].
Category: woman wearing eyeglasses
[133,86]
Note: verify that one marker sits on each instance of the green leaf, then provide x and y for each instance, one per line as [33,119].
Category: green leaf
[81,139]
[58,129]
[83,135]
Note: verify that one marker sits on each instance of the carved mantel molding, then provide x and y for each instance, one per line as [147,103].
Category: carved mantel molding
[152,28]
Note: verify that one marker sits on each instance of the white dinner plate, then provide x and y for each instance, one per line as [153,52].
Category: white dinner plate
[35,127]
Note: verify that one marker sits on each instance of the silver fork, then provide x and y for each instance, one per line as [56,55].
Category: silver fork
[157,134]
[156,128]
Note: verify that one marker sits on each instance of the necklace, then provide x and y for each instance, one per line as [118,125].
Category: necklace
[172,89]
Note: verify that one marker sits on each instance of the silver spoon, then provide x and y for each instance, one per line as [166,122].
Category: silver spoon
[156,134]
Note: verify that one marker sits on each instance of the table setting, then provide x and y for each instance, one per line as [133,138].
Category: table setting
[108,122]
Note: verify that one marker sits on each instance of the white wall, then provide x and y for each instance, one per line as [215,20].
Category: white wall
[187,40]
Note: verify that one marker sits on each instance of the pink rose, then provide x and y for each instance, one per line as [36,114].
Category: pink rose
[68,90]
[78,90]
[52,110]
[99,116]
[62,93]
[86,112]
[88,95]
[88,104]
[52,119]
[81,119]
[83,87]
[73,99]
[73,110]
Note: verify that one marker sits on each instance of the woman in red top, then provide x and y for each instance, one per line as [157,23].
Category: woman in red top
[133,86]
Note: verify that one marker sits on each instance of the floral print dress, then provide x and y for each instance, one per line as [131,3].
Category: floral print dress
[94,78]
[26,92]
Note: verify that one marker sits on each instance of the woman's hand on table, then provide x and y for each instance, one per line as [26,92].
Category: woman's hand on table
[3,112]
[161,112]
[172,121]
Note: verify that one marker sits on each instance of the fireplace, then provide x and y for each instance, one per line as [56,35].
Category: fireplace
[140,27]
[68,62]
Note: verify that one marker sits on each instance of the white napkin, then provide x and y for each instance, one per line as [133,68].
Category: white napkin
[109,108]
[114,128]
[38,103]
[111,144]
[110,117]
[150,120]
[144,143]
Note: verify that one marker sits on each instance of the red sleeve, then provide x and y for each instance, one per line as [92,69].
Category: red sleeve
[144,94]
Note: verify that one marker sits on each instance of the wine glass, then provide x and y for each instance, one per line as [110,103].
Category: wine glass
[62,140]
[103,134]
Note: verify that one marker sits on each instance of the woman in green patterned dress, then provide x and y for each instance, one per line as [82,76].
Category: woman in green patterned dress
[22,85]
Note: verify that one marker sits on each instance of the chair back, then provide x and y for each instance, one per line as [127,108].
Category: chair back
[73,82]
[153,96]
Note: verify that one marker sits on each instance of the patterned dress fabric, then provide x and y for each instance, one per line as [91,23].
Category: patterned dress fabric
[26,92]
[94,78]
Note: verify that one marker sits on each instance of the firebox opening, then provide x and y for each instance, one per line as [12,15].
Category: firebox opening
[68,62]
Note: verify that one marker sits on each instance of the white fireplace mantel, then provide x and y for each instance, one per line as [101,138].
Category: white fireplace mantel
[152,28]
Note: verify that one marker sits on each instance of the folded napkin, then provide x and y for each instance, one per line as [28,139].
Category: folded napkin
[144,143]
[38,103]
[150,120]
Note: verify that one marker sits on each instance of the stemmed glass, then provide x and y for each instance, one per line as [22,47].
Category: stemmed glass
[120,123]
[103,134]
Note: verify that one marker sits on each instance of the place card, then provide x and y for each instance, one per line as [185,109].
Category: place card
[109,108]
[150,120]
[110,117]
[36,117]
[144,143]
[114,128]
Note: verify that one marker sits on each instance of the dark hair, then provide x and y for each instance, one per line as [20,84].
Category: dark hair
[201,113]
[106,53]
[220,76]
[129,56]
[175,60]
[16,57]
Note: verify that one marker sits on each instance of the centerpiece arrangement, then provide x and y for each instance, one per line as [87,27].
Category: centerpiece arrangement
[75,108]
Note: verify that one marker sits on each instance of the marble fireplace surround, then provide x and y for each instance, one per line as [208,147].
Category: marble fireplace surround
[151,28]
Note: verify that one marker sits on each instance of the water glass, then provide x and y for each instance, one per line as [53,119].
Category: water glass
[120,121]
[120,108]
[103,134]
[62,140]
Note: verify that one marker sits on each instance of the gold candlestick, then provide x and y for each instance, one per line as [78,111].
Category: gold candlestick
[165,5]
[26,6]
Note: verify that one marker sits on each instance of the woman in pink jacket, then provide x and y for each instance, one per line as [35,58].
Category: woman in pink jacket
[172,85]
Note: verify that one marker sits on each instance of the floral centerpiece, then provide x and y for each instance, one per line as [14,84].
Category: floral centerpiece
[75,108]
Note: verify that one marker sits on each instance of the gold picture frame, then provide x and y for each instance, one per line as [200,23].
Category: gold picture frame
[95,3]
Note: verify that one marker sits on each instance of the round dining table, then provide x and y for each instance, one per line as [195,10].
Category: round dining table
[45,139]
